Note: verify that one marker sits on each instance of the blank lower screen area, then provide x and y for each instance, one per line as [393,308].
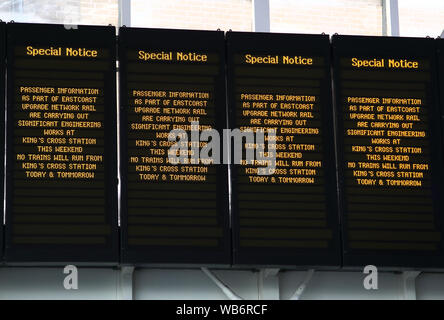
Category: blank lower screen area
[60,195]
[284,215]
[390,162]
[174,211]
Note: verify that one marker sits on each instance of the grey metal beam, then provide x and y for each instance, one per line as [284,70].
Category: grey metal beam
[17,6]
[125,13]
[261,15]
[394,18]
[385,19]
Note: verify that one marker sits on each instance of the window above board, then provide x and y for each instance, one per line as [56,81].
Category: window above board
[409,18]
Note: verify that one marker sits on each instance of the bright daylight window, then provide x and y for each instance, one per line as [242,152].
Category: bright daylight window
[96,12]
[193,14]
[357,17]
[421,18]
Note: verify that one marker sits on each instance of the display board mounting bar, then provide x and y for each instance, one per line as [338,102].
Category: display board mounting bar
[225,289]
[409,284]
[300,290]
[125,281]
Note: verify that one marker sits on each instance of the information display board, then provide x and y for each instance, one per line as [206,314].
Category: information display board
[289,217]
[440,51]
[2,119]
[172,212]
[61,201]
[390,151]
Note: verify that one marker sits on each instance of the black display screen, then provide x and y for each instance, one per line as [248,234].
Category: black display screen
[390,152]
[440,51]
[2,119]
[290,217]
[61,144]
[171,213]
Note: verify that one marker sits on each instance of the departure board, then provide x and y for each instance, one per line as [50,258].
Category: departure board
[61,144]
[2,119]
[389,150]
[172,212]
[287,217]
[440,50]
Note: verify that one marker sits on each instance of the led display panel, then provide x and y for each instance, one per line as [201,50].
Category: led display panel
[389,150]
[172,212]
[2,119]
[61,201]
[440,51]
[287,216]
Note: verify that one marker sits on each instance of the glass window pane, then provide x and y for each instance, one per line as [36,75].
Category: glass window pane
[96,12]
[193,14]
[421,18]
[357,17]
